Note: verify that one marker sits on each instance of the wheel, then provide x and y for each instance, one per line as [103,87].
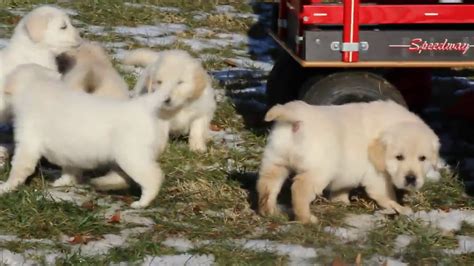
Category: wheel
[284,80]
[345,87]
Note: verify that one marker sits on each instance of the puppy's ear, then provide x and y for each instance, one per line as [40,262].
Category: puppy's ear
[201,81]
[377,154]
[36,25]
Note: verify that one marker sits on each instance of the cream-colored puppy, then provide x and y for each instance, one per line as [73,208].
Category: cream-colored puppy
[376,145]
[191,105]
[39,36]
[79,131]
[88,68]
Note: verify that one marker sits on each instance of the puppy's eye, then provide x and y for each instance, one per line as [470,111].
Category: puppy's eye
[158,82]
[63,27]
[180,82]
[400,157]
[422,158]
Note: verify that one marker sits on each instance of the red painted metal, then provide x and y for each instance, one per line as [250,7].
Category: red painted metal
[350,36]
[390,14]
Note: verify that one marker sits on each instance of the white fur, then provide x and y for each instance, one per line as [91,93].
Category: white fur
[188,114]
[91,71]
[189,108]
[341,148]
[37,38]
[79,131]
[48,42]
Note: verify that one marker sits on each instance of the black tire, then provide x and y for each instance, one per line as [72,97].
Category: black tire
[345,87]
[284,80]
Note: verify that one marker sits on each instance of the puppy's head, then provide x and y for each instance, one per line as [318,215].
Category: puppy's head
[406,152]
[23,76]
[181,74]
[51,28]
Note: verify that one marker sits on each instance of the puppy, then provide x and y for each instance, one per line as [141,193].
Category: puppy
[78,131]
[88,68]
[377,145]
[191,104]
[39,36]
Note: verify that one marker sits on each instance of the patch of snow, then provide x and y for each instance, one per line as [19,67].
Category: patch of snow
[203,32]
[249,63]
[446,221]
[70,195]
[8,257]
[159,8]
[156,41]
[49,256]
[466,245]
[358,226]
[402,241]
[180,244]
[129,216]
[231,140]
[224,9]
[200,15]
[160,29]
[178,260]
[297,254]
[96,30]
[134,231]
[11,238]
[198,44]
[233,37]
[112,45]
[382,260]
[433,175]
[102,246]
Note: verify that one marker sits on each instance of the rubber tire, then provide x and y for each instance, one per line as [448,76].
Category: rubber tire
[284,80]
[345,87]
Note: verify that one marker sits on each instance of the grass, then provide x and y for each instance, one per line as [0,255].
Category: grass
[210,197]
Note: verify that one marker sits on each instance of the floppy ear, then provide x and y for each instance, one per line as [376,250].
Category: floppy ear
[377,154]
[36,25]
[201,81]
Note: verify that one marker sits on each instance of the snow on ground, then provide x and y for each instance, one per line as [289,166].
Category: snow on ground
[465,245]
[180,244]
[178,260]
[446,221]
[357,226]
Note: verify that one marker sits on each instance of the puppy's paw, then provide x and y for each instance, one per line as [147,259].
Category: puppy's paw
[197,147]
[268,211]
[308,220]
[65,181]
[403,210]
[138,205]
[5,188]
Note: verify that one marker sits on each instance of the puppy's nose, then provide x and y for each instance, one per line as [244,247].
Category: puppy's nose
[410,179]
[168,100]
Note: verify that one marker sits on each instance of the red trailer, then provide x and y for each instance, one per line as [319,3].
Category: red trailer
[336,52]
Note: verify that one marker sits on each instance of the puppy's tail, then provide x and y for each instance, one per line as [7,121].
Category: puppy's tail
[289,112]
[141,57]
